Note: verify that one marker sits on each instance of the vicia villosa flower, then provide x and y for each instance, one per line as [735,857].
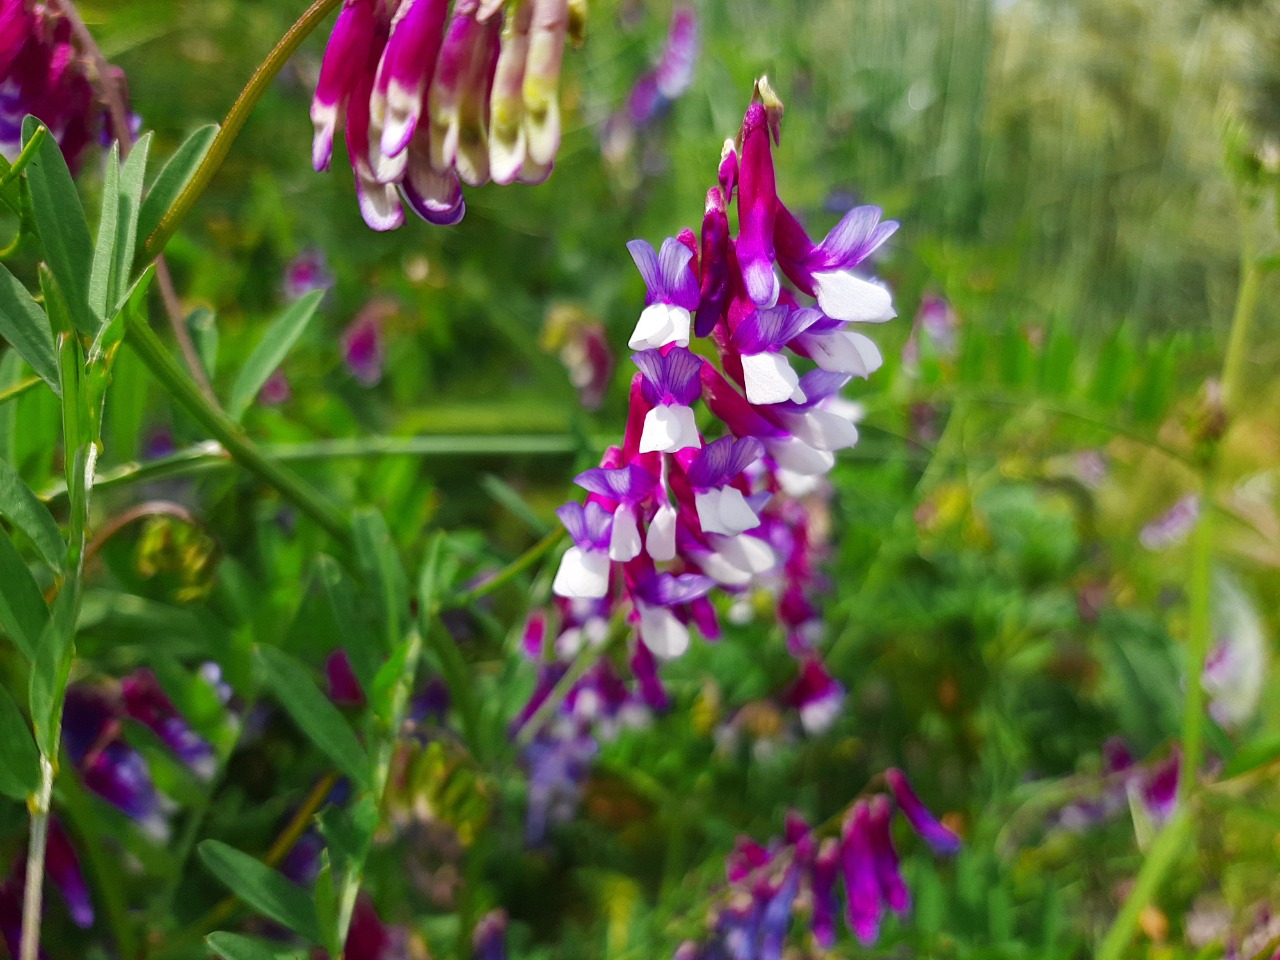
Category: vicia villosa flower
[430,98]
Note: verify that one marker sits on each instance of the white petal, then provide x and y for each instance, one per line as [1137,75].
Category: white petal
[668,429]
[792,453]
[660,324]
[769,378]
[842,296]
[843,351]
[719,568]
[624,541]
[822,429]
[662,633]
[661,538]
[725,511]
[583,575]
[746,553]
[818,715]
[797,484]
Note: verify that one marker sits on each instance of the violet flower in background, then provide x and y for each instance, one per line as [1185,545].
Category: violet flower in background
[1235,671]
[655,90]
[307,272]
[1173,526]
[276,390]
[430,98]
[937,323]
[583,347]
[42,73]
[146,702]
[768,884]
[363,348]
[64,874]
[489,938]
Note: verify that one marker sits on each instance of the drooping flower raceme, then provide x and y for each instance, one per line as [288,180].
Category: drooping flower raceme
[677,512]
[768,885]
[430,98]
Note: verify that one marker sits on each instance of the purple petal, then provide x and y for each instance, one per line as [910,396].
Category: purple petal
[818,384]
[679,284]
[672,379]
[771,328]
[646,260]
[489,939]
[146,702]
[344,687]
[120,775]
[826,867]
[87,720]
[714,289]
[667,590]
[575,522]
[62,867]
[435,197]
[345,57]
[1160,788]
[721,460]
[674,72]
[943,841]
[776,917]
[854,238]
[631,483]
[863,909]
[599,521]
[885,858]
[645,669]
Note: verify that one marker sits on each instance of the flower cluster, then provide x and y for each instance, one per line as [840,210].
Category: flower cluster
[670,514]
[41,73]
[430,99]
[1150,786]
[656,89]
[768,885]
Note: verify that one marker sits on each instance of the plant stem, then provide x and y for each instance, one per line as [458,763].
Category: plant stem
[228,433]
[1164,851]
[33,892]
[18,389]
[509,572]
[233,123]
[1251,274]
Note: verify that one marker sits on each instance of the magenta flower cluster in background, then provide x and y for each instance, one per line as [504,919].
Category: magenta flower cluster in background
[430,99]
[767,885]
[42,73]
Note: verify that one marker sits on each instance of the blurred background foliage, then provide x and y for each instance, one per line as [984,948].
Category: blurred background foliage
[1075,177]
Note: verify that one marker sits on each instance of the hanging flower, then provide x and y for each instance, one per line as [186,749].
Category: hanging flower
[431,98]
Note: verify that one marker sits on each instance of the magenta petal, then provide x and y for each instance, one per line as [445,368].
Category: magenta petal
[885,858]
[757,208]
[826,867]
[863,908]
[345,57]
[771,328]
[645,669]
[922,821]
[714,262]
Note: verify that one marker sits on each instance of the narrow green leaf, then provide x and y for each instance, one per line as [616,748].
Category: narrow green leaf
[50,669]
[104,251]
[173,177]
[314,714]
[26,328]
[262,888]
[23,613]
[326,896]
[21,508]
[60,221]
[203,325]
[380,564]
[1256,753]
[271,351]
[232,946]
[19,761]
[131,179]
[507,496]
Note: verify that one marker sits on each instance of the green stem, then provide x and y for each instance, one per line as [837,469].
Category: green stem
[1251,274]
[233,123]
[1164,851]
[18,389]
[228,433]
[33,892]
[509,572]
[204,457]
[577,670]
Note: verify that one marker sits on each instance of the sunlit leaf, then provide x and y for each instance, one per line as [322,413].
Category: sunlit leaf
[24,510]
[26,327]
[173,177]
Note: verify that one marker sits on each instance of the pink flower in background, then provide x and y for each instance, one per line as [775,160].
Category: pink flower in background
[276,390]
[1173,526]
[306,272]
[363,351]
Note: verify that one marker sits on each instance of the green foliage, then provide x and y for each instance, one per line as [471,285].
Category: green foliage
[262,888]
[270,352]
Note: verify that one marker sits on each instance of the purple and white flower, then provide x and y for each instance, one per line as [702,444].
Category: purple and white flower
[672,294]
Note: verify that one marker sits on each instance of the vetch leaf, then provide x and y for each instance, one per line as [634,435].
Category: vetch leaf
[50,669]
[23,612]
[380,564]
[21,508]
[1256,753]
[105,248]
[60,221]
[131,177]
[270,352]
[262,888]
[173,178]
[314,714]
[232,946]
[26,328]
[19,761]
